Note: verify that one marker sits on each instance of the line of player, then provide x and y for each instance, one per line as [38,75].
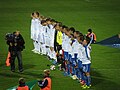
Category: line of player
[66,46]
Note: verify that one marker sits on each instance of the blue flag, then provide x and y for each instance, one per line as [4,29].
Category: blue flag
[113,41]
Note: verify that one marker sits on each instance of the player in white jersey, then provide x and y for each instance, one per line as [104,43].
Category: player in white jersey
[74,52]
[86,62]
[52,53]
[40,37]
[35,31]
[68,50]
[47,37]
[64,29]
[79,50]
[32,25]
[43,37]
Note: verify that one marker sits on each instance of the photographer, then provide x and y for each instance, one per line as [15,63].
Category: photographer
[16,45]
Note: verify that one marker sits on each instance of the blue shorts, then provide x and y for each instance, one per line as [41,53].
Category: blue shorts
[86,68]
[65,55]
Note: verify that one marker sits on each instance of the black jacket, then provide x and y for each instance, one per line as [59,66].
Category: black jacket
[17,44]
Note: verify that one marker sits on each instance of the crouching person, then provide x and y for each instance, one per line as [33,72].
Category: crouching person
[22,85]
[45,84]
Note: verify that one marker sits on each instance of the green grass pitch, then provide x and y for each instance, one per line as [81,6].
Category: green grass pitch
[103,16]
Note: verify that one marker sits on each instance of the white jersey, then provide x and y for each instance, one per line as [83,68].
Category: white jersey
[35,29]
[63,40]
[52,35]
[84,55]
[75,46]
[32,28]
[67,45]
[38,26]
[41,34]
[47,36]
[70,46]
[80,49]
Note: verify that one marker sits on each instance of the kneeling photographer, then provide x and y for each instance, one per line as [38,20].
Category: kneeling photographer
[16,45]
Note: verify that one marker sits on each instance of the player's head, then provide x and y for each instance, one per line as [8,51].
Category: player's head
[36,14]
[89,31]
[72,30]
[64,28]
[46,72]
[53,22]
[48,20]
[58,26]
[76,33]
[80,38]
[68,33]
[86,40]
[42,17]
[43,22]
[21,81]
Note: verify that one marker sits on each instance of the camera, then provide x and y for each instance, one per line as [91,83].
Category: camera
[9,37]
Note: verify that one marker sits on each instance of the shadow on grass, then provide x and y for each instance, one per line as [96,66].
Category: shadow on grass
[96,77]
[33,74]
[10,75]
[100,82]
[28,66]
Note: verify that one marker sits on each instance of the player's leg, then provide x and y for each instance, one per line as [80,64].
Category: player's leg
[86,69]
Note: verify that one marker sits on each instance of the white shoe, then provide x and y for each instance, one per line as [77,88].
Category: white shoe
[38,53]
[41,54]
[33,50]
[74,77]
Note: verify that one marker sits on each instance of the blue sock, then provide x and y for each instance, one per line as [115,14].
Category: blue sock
[68,67]
[73,70]
[88,80]
[83,76]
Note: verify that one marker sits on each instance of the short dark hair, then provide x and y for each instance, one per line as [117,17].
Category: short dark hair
[64,27]
[72,29]
[52,20]
[90,30]
[48,19]
[87,39]
[32,14]
[43,21]
[77,32]
[68,30]
[81,36]
[58,24]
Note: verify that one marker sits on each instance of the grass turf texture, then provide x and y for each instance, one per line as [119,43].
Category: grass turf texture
[103,16]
